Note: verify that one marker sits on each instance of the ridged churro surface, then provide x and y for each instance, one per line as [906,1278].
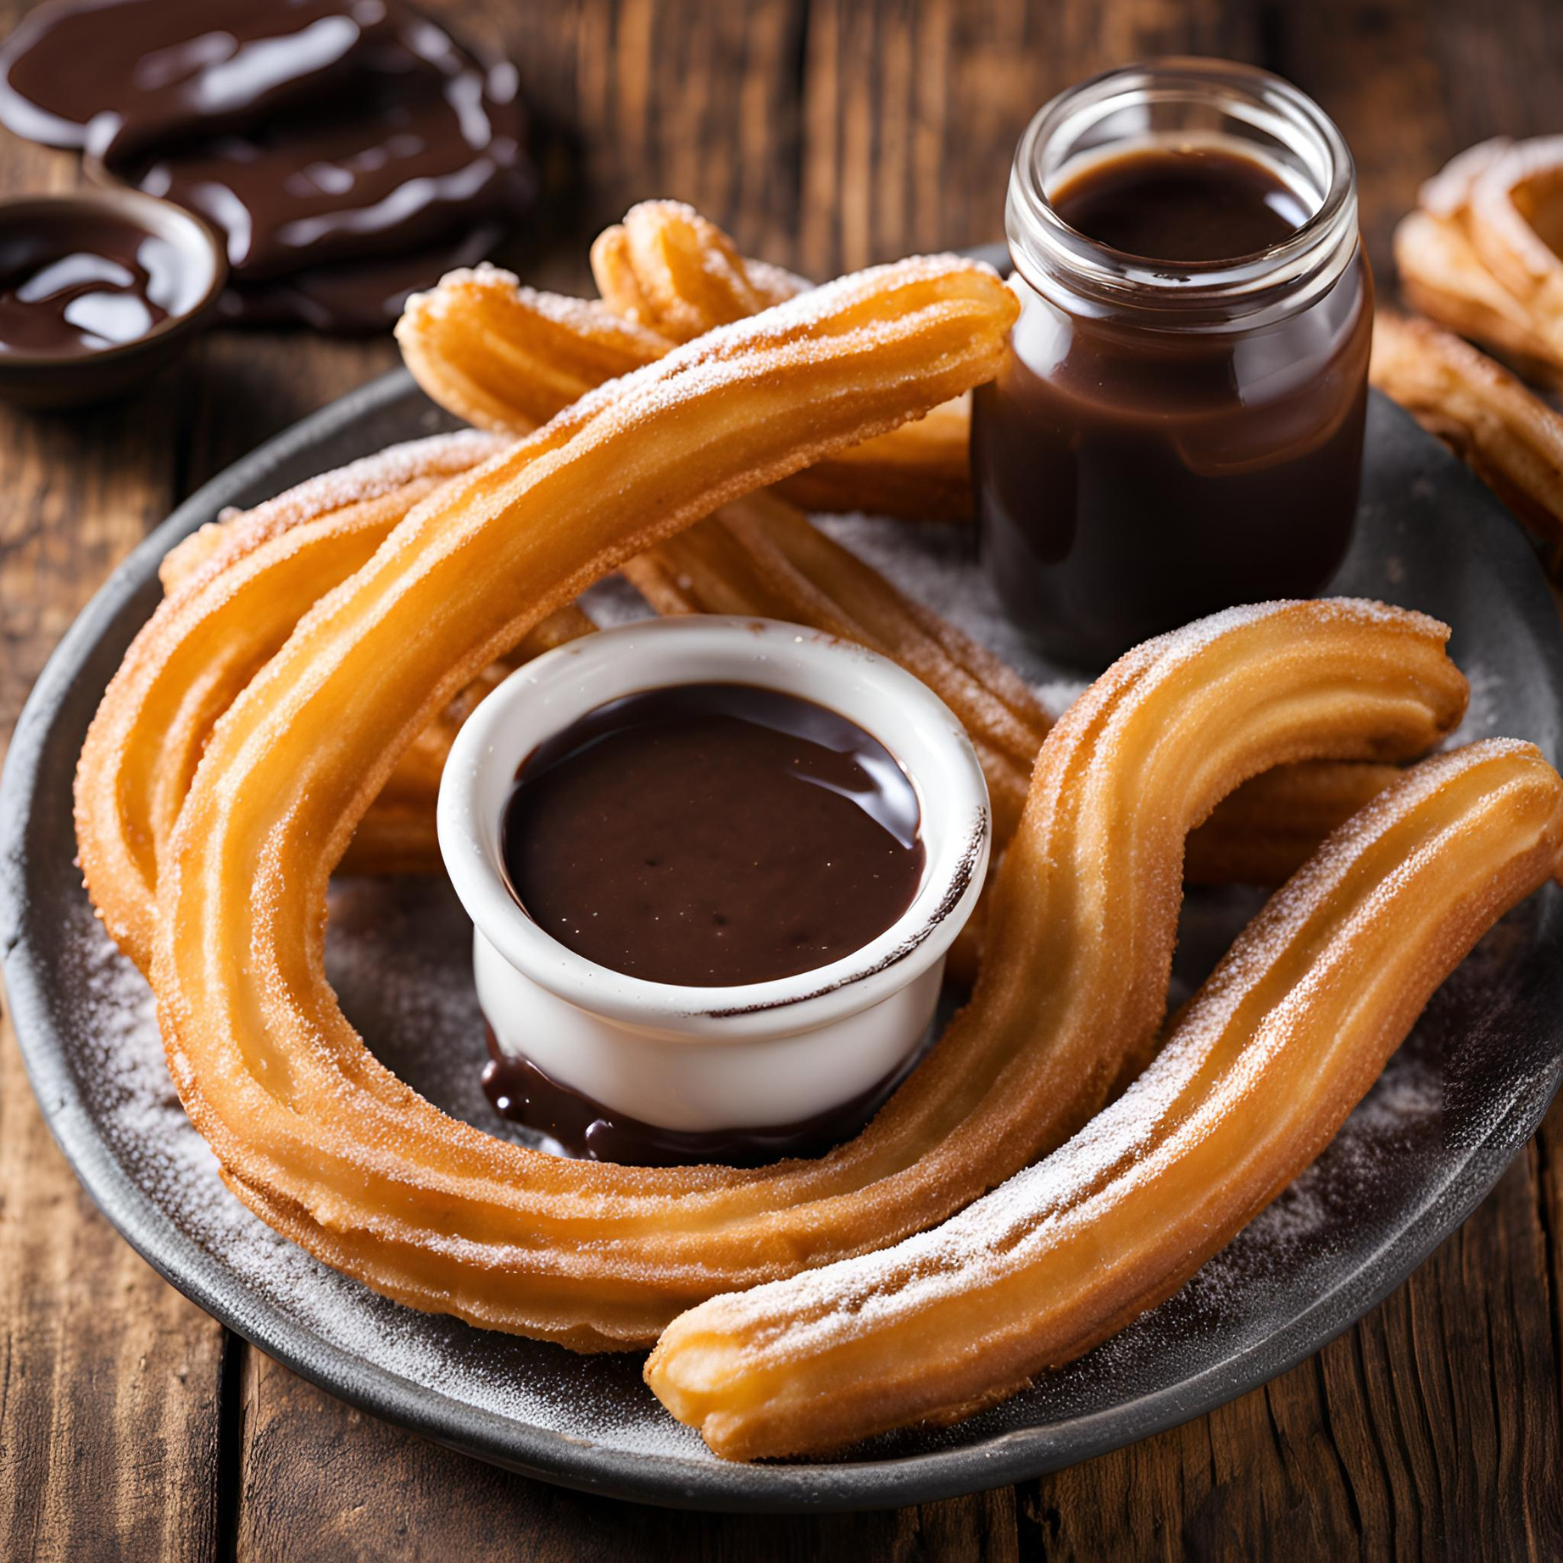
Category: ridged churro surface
[506,357]
[1261,1070]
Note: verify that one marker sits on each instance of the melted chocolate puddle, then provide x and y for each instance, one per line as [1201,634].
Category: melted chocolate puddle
[349,150]
[586,1130]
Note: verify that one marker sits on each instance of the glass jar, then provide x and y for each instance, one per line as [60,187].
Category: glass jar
[1170,438]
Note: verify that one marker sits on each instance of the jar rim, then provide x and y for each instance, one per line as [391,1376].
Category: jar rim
[1054,257]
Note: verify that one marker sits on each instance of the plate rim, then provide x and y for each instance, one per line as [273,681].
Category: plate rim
[664,1480]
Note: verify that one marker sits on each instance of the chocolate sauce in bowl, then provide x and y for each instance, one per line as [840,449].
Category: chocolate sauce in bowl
[712,835]
[82,283]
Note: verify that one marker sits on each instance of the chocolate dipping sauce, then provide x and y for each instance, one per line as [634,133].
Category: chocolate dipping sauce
[1178,425]
[1185,204]
[418,142]
[111,77]
[712,835]
[588,1131]
[85,283]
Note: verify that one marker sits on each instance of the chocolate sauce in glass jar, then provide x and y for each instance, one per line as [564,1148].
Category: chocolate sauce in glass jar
[1178,426]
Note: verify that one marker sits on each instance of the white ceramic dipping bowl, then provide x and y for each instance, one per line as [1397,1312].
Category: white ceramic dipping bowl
[692,1059]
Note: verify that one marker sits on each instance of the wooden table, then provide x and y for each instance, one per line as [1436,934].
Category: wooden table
[826,134]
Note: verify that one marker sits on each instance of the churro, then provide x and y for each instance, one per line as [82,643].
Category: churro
[1508,436]
[337,1153]
[505,357]
[1264,1066]
[236,592]
[1471,256]
[668,268]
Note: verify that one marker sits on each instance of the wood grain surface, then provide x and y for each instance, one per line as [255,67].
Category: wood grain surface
[826,134]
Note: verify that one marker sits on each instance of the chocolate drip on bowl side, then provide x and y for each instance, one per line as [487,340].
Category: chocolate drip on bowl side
[577,1126]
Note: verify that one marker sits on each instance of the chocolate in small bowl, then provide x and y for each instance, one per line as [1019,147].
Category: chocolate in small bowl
[98,290]
[614,1065]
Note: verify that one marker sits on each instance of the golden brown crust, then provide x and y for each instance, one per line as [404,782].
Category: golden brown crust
[1475,255]
[506,357]
[315,1133]
[1510,437]
[1258,1074]
[307,1126]
[234,598]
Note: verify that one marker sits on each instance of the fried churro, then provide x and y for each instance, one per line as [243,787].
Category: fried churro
[1472,255]
[236,592]
[1259,1073]
[1505,433]
[505,357]
[334,1151]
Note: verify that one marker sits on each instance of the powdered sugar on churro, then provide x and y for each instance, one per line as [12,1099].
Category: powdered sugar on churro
[1163,1114]
[588,318]
[399,957]
[371,477]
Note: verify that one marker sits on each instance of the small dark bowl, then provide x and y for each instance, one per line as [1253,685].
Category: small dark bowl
[71,379]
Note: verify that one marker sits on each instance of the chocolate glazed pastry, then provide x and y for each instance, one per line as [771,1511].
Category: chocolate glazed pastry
[112,78]
[350,150]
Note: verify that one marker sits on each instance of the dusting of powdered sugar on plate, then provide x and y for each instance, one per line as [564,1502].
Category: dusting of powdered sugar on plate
[398,953]
[410,976]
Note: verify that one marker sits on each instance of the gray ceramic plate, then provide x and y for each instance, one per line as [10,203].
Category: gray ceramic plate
[1420,1152]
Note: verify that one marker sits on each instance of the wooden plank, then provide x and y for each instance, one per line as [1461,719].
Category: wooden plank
[673,98]
[109,1381]
[325,1484]
[912,108]
[1374,69]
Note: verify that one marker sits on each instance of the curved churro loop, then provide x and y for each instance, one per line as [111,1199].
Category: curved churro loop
[1274,1052]
[302,1117]
[506,358]
[670,269]
[344,1158]
[236,591]
[1514,209]
[1473,256]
